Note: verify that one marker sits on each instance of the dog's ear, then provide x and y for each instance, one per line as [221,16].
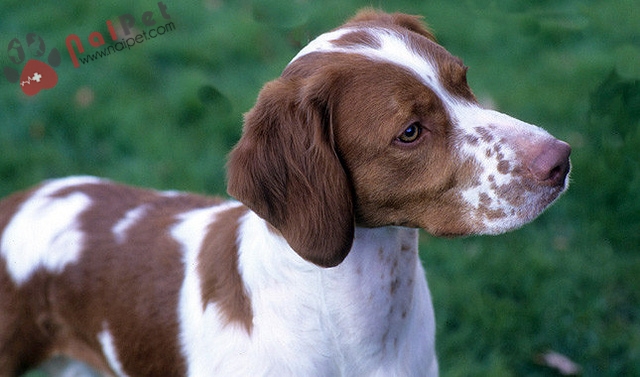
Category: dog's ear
[286,169]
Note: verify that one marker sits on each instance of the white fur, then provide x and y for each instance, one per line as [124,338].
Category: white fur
[312,321]
[44,233]
[197,325]
[121,228]
[323,43]
[110,352]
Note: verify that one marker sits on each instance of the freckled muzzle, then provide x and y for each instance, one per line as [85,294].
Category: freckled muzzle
[521,170]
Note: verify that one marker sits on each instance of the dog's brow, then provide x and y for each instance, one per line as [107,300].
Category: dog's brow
[392,47]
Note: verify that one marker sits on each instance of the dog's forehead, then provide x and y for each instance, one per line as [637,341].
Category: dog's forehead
[419,55]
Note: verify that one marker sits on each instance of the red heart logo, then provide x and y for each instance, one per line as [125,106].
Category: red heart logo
[36,76]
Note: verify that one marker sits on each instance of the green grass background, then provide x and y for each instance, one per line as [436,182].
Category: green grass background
[166,112]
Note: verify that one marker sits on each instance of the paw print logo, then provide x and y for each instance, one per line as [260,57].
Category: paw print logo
[36,75]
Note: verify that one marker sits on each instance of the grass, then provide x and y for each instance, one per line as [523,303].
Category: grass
[165,113]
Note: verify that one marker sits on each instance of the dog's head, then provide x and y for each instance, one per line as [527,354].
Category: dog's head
[373,124]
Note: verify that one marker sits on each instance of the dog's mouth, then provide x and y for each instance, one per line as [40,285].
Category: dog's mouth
[517,205]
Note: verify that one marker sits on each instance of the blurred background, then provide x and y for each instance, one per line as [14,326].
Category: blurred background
[165,112]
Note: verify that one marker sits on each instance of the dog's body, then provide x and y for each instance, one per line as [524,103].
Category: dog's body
[370,132]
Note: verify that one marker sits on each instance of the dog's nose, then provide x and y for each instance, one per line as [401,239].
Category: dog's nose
[551,164]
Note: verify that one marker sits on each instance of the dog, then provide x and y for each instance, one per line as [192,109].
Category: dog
[370,134]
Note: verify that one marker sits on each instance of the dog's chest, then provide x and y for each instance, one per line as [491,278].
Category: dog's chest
[358,318]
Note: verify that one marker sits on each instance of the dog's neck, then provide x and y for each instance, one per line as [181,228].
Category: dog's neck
[363,308]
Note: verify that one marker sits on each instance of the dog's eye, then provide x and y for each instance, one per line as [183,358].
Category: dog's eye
[411,134]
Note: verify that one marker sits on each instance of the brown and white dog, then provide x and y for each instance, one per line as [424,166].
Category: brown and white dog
[370,133]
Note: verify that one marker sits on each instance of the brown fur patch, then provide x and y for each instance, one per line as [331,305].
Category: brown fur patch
[132,288]
[218,267]
[392,20]
[453,76]
[22,343]
[285,168]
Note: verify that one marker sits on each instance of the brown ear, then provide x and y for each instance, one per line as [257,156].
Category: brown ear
[286,170]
